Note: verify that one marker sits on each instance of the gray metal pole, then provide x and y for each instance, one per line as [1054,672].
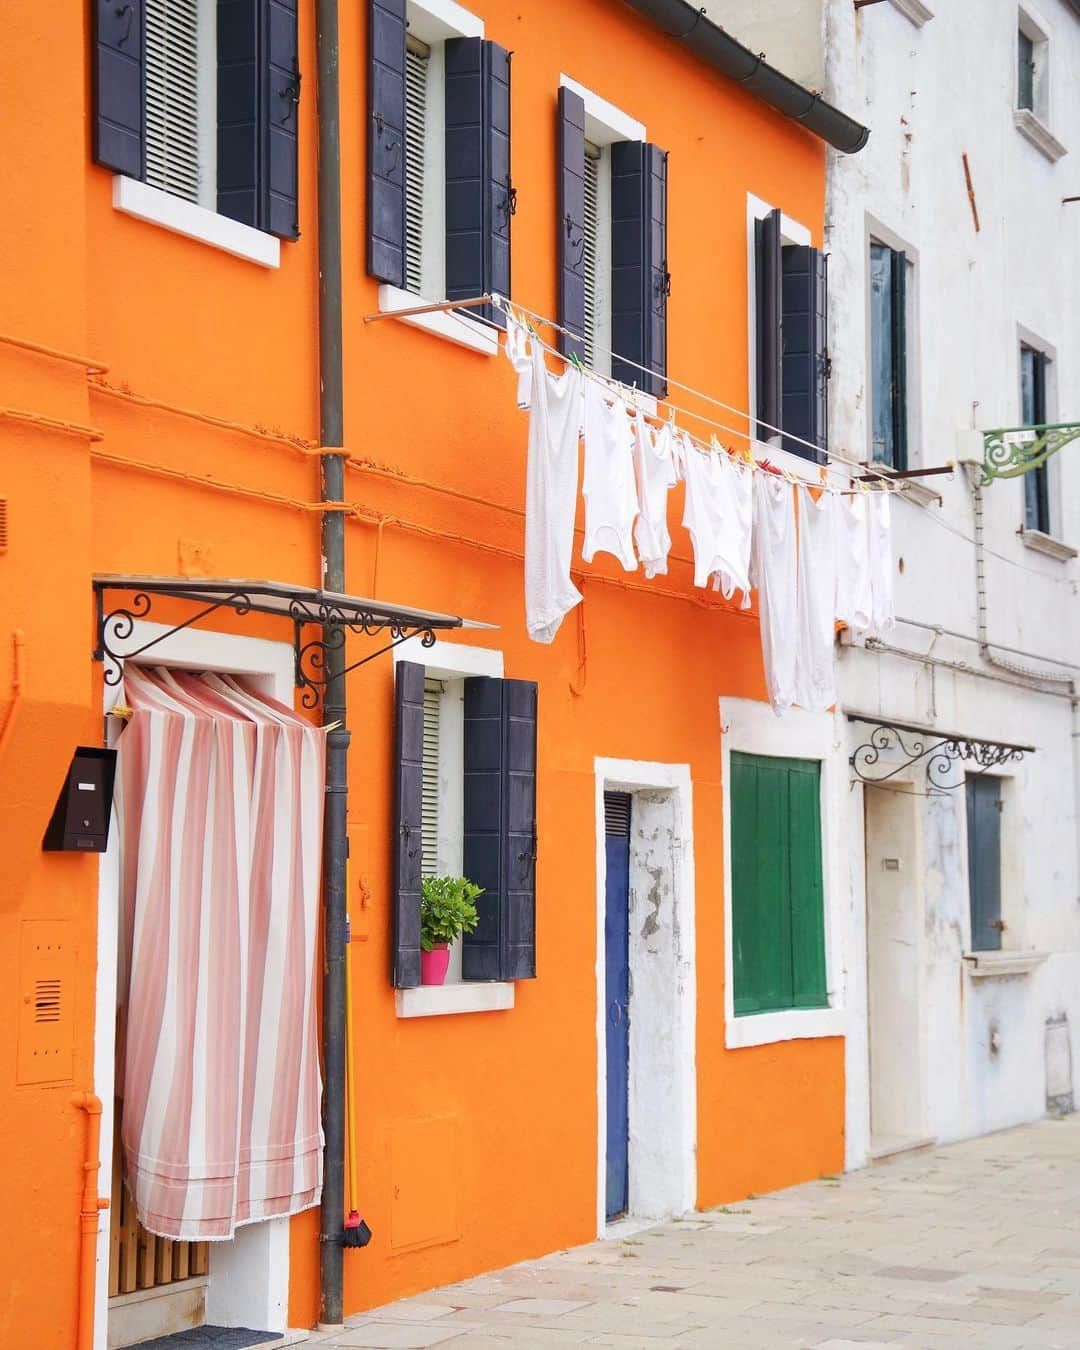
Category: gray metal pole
[335,842]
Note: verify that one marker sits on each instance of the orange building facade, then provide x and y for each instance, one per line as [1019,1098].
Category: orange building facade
[161,417]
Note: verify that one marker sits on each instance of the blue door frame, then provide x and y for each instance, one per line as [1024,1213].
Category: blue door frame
[617,996]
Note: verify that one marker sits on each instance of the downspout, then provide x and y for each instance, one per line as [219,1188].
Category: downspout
[92,1205]
[335,847]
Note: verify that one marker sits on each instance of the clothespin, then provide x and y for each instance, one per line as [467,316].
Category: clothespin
[671,414]
[121,710]
[576,360]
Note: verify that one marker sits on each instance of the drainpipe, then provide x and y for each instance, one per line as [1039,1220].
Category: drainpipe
[92,1205]
[335,847]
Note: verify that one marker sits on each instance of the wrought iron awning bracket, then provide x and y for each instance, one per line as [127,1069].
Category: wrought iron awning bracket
[941,754]
[1009,452]
[117,625]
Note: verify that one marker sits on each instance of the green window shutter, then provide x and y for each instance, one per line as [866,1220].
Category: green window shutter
[778,934]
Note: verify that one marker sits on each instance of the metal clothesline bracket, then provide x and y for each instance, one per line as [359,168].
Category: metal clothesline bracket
[1009,452]
[893,747]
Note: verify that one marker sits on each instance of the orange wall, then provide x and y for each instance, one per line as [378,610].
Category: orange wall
[181,323]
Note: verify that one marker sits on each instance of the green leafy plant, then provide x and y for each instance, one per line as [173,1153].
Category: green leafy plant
[447,909]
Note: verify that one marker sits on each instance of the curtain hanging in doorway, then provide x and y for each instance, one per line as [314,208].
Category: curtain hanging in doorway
[219,804]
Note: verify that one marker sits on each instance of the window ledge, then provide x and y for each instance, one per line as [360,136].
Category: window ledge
[914,10]
[984,965]
[450,325]
[796,1024]
[1046,543]
[439,1000]
[195,222]
[1039,134]
[908,487]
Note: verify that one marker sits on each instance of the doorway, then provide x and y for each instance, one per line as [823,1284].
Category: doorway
[617,970]
[894,970]
[646,992]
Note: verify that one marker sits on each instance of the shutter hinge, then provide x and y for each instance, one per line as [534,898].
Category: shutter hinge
[510,205]
[291,91]
[826,366]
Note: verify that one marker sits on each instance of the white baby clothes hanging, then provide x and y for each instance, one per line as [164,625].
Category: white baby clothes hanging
[853,597]
[718,512]
[883,607]
[551,496]
[608,485]
[654,462]
[518,354]
[773,572]
[815,669]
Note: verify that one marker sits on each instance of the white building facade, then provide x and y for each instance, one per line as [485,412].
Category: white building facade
[954,310]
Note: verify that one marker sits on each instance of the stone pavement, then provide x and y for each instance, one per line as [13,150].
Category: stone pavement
[974,1245]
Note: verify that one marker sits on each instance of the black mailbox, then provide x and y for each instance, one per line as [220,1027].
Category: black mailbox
[80,819]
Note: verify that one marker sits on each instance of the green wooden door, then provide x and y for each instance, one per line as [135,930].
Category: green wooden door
[777,898]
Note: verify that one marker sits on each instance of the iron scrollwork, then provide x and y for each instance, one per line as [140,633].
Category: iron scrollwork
[941,756]
[1009,452]
[312,675]
[118,626]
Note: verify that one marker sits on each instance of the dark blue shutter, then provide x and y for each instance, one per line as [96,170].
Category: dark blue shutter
[570,224]
[984,861]
[408,784]
[282,84]
[899,359]
[258,98]
[500,827]
[767,288]
[386,141]
[119,86]
[479,194]
[804,372]
[640,282]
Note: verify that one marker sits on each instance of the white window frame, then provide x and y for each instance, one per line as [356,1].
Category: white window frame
[433,21]
[452,663]
[751,727]
[1035,123]
[200,220]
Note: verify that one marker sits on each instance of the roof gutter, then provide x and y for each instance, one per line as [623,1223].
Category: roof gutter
[718,49]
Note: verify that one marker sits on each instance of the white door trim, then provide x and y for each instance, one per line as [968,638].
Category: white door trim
[663,1089]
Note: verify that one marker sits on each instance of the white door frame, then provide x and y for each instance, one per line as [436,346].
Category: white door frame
[663,974]
[249,1276]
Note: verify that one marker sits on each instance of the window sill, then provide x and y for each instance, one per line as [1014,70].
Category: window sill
[1047,544]
[985,965]
[440,1000]
[796,1024]
[447,324]
[1039,134]
[908,487]
[913,10]
[195,222]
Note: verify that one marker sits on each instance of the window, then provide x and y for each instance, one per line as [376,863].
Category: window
[888,355]
[984,808]
[612,241]
[1033,364]
[1032,68]
[430,861]
[791,361]
[200,103]
[777,900]
[417,70]
[1025,71]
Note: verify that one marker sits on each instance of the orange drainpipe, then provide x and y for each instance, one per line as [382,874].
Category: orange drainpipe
[92,1205]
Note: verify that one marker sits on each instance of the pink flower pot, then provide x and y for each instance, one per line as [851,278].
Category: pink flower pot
[433,964]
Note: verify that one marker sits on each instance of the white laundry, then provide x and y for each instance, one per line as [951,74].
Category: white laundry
[815,603]
[854,601]
[654,463]
[883,607]
[773,572]
[551,496]
[519,355]
[610,494]
[719,515]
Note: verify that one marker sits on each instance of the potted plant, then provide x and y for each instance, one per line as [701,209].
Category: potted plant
[447,909]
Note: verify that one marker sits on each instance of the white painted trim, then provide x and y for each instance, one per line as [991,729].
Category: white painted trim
[439,1000]
[985,965]
[624,775]
[437,20]
[449,660]
[1046,544]
[752,727]
[1034,129]
[914,11]
[451,325]
[791,232]
[259,1281]
[195,222]
[612,124]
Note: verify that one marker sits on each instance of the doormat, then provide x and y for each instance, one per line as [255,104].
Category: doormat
[211,1338]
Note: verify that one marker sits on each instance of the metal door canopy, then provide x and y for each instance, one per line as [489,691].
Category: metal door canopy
[893,747]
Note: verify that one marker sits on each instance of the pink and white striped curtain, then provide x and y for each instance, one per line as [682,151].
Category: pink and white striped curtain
[219,803]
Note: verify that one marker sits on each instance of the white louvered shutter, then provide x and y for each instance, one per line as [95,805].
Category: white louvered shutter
[429,812]
[417,63]
[172,97]
[592,221]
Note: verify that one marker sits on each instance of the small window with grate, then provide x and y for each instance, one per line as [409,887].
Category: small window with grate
[181,99]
